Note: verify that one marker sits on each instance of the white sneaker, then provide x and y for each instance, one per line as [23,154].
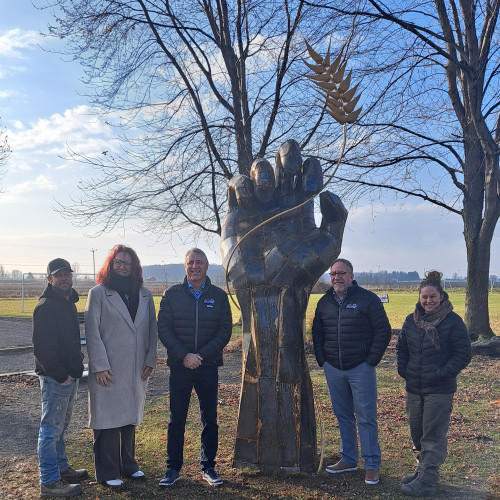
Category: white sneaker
[114,483]
[138,476]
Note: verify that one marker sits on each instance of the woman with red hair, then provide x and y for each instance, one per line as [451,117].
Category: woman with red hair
[121,332]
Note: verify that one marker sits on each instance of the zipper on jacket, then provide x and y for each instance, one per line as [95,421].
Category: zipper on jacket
[420,385]
[338,337]
[196,327]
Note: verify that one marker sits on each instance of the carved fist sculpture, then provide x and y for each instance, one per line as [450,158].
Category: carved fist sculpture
[273,271]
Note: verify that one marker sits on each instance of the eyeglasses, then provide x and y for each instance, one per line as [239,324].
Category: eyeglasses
[123,263]
[338,273]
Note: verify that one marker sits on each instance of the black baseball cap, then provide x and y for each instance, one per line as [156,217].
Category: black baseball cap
[56,265]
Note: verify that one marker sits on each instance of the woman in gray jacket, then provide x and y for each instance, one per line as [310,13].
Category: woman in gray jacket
[121,332]
[432,349]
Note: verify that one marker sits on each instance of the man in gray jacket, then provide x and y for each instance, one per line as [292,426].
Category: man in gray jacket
[59,365]
[350,334]
[194,324]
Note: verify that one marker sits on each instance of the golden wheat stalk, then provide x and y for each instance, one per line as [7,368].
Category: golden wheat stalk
[333,87]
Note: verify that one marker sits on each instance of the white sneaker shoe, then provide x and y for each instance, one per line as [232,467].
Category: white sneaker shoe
[113,483]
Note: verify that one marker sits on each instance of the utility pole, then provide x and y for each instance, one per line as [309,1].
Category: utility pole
[93,250]
[165,273]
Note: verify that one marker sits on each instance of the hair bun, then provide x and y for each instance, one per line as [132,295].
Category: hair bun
[433,276]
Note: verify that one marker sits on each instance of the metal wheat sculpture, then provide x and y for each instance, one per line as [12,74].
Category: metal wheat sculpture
[334,88]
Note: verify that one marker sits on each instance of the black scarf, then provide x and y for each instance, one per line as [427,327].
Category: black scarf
[428,321]
[124,286]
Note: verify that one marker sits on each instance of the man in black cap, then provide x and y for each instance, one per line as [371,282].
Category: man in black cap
[59,365]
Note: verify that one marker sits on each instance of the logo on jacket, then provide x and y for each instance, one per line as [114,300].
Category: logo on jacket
[209,302]
[351,306]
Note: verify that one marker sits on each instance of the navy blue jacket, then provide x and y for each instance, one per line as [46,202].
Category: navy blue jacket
[357,331]
[56,336]
[187,325]
[426,369]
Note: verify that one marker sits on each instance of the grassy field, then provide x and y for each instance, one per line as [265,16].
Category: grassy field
[401,303]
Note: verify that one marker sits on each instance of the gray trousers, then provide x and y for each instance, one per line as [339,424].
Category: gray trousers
[429,417]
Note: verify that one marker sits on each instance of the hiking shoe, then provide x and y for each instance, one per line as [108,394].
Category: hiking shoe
[171,476]
[71,475]
[211,477]
[409,478]
[372,476]
[60,489]
[418,488]
[341,467]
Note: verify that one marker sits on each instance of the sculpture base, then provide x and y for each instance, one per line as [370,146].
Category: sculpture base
[310,470]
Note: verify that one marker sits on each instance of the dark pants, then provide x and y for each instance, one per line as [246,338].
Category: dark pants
[114,451]
[204,380]
[429,417]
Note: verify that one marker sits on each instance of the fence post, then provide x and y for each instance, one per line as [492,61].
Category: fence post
[22,294]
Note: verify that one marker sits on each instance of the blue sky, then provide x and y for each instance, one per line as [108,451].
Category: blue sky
[44,112]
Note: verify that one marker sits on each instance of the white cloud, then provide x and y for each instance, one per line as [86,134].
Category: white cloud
[76,128]
[18,125]
[15,40]
[18,192]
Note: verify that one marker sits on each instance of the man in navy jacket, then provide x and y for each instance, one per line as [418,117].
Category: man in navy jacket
[194,324]
[350,335]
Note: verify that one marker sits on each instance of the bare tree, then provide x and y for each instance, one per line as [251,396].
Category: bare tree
[76,271]
[4,153]
[431,125]
[199,90]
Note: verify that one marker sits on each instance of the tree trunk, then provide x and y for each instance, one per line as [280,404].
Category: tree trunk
[480,216]
[476,295]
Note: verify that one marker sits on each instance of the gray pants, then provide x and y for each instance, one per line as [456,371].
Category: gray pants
[429,417]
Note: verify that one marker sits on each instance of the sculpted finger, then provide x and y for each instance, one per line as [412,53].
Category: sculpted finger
[240,192]
[262,176]
[312,177]
[334,214]
[288,165]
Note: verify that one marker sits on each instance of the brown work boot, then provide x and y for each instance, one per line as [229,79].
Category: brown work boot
[341,467]
[60,489]
[71,475]
[371,476]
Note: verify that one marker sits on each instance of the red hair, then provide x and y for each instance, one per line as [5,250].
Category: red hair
[104,274]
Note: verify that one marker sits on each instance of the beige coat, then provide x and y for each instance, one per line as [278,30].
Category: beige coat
[116,343]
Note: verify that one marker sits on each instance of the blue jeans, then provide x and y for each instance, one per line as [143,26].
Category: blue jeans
[205,381]
[354,400]
[57,407]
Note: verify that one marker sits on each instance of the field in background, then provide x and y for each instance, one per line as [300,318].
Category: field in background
[401,303]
